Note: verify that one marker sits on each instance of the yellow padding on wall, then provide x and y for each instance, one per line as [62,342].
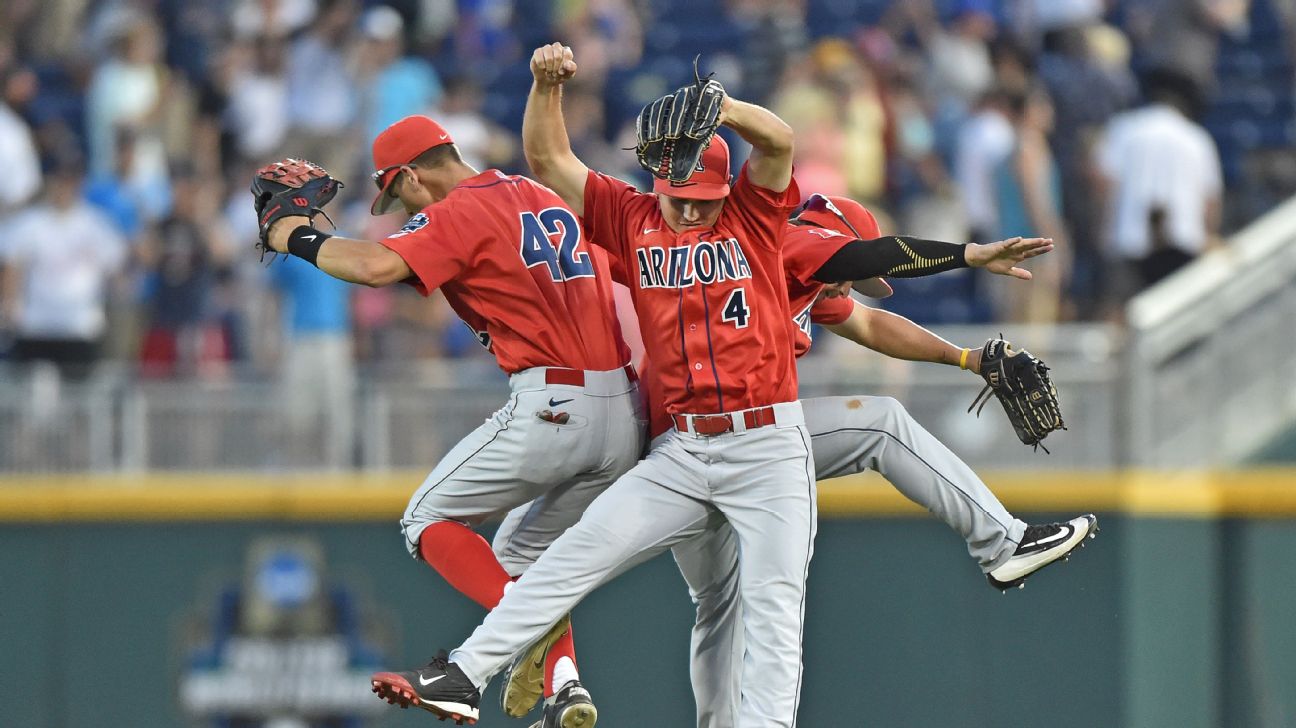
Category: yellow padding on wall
[1267,493]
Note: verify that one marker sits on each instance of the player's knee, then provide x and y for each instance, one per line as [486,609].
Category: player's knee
[414,528]
[890,409]
[716,595]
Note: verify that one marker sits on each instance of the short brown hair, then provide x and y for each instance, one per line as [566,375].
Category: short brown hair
[437,156]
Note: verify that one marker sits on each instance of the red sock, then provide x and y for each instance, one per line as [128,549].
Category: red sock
[465,560]
[564,647]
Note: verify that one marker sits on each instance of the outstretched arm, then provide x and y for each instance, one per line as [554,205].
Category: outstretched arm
[901,256]
[544,132]
[899,338]
[355,261]
[770,163]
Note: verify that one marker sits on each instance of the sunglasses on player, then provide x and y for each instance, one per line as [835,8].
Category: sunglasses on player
[820,203]
[377,177]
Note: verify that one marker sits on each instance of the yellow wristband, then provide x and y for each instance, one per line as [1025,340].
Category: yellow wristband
[963,358]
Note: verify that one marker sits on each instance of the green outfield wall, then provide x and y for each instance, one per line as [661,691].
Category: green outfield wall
[1180,614]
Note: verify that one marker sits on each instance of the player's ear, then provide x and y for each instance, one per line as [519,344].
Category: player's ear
[408,176]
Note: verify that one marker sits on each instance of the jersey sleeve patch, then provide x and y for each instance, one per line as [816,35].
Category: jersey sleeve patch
[418,222]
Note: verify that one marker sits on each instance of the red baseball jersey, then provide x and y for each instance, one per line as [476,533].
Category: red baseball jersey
[513,262]
[712,303]
[805,250]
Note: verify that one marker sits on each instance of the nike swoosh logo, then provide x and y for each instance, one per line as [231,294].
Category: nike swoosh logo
[651,230]
[445,136]
[1055,537]
[556,402]
[308,237]
[426,683]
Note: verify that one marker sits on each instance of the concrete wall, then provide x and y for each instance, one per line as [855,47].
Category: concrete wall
[1162,621]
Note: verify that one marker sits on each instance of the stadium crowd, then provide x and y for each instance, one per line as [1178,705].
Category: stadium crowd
[129,130]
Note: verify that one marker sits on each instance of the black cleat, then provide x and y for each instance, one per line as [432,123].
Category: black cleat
[440,687]
[1040,546]
[570,707]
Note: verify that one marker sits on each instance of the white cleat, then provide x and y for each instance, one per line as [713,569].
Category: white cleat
[1040,546]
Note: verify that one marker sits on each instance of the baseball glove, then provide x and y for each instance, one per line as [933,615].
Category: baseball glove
[673,131]
[290,187]
[1022,384]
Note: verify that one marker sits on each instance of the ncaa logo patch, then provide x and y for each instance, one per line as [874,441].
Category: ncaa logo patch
[415,223]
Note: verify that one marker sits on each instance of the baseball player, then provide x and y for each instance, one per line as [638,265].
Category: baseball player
[709,290]
[512,260]
[834,241]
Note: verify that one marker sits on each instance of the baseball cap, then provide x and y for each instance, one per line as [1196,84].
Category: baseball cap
[848,217]
[397,146]
[710,181]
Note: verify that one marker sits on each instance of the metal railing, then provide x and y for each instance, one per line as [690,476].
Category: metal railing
[1211,352]
[408,419]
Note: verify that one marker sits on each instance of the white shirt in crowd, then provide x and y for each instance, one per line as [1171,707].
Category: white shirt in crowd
[1156,157]
[67,257]
[984,142]
[18,159]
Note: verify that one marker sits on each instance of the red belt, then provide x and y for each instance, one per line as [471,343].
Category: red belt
[576,377]
[710,425]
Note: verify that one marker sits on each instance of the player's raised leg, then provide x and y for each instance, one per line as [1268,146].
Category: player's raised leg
[854,434]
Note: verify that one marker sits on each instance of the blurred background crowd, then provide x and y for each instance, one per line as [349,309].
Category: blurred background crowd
[1136,133]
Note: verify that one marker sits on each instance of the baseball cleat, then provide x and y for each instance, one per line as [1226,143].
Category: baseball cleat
[439,687]
[570,707]
[1040,546]
[524,681]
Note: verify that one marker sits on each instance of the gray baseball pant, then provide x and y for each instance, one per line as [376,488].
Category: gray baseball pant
[849,435]
[517,458]
[761,480]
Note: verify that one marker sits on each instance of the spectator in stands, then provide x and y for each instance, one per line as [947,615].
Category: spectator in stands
[128,92]
[278,18]
[484,40]
[1086,91]
[1033,19]
[914,168]
[959,64]
[610,32]
[833,103]
[398,85]
[774,36]
[59,258]
[316,360]
[1028,190]
[185,254]
[1163,183]
[18,155]
[323,100]
[984,141]
[1184,34]
[113,194]
[587,130]
[257,114]
[482,143]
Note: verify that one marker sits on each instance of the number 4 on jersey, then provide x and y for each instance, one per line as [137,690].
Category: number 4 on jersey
[566,261]
[735,309]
